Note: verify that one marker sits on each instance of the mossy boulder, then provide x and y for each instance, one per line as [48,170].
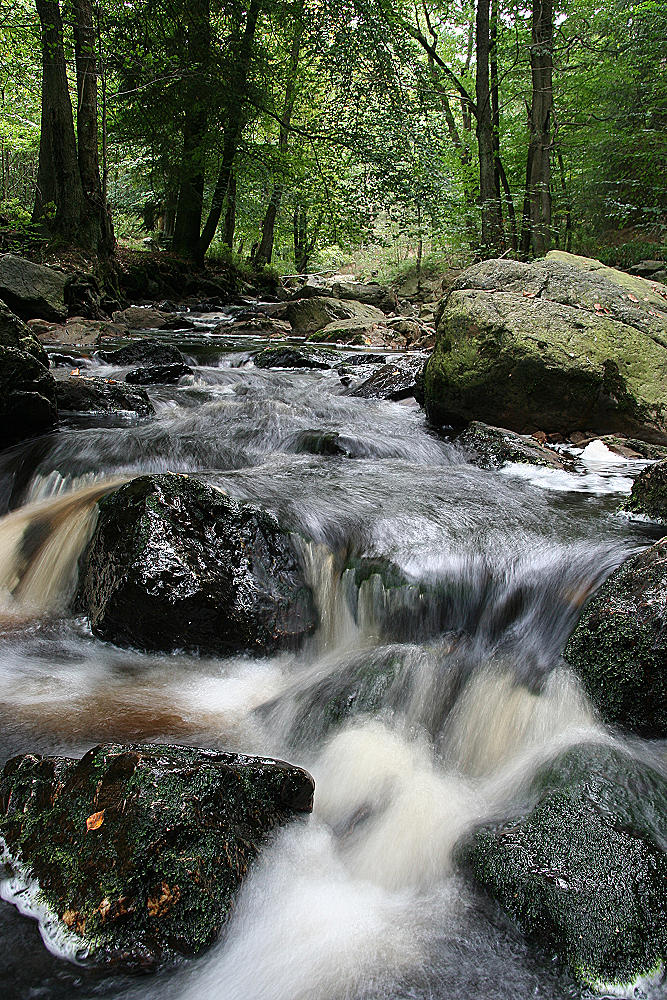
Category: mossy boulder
[351,332]
[562,344]
[145,351]
[32,289]
[176,564]
[619,646]
[649,494]
[309,315]
[493,447]
[27,396]
[140,850]
[370,293]
[584,870]
[397,379]
[84,394]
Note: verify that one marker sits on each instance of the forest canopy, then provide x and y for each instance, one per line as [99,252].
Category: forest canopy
[302,134]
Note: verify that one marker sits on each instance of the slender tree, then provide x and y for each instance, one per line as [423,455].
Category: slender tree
[536,231]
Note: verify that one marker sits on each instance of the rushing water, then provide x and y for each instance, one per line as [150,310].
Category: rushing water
[360,900]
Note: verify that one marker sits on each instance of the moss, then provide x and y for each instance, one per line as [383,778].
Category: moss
[180,828]
[619,646]
[649,494]
[584,872]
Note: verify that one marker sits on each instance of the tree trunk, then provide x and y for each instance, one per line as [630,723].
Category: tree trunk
[230,213]
[96,216]
[59,186]
[195,128]
[538,174]
[234,126]
[265,249]
[492,224]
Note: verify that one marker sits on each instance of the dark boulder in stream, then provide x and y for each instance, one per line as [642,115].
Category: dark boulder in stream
[158,374]
[144,352]
[295,357]
[619,647]
[493,447]
[396,380]
[82,394]
[139,850]
[584,870]
[175,564]
[27,397]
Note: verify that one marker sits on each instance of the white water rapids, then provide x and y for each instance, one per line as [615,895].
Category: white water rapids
[470,696]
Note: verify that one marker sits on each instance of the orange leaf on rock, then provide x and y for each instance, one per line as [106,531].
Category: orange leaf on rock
[633,298]
[95,821]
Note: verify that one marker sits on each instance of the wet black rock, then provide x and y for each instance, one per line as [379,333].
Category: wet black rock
[493,447]
[32,289]
[140,849]
[144,352]
[81,394]
[322,443]
[27,396]
[158,374]
[175,564]
[15,333]
[395,380]
[649,494]
[584,870]
[60,360]
[619,647]
[295,357]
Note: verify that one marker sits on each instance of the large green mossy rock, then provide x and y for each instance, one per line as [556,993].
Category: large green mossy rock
[175,564]
[649,494]
[140,850]
[584,871]
[562,344]
[619,646]
[307,316]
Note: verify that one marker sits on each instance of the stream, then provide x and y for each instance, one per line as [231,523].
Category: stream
[361,900]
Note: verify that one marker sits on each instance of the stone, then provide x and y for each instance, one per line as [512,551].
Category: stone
[145,318]
[176,564]
[584,871]
[355,332]
[294,357]
[83,394]
[649,494]
[143,352]
[158,374]
[396,380]
[371,294]
[27,396]
[314,442]
[307,316]
[140,850]
[493,447]
[15,333]
[32,290]
[561,344]
[619,646]
[76,332]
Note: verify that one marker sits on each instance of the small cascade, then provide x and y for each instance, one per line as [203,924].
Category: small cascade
[40,545]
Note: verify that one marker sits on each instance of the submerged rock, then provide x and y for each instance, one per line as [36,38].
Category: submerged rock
[395,380]
[32,289]
[27,396]
[649,494]
[82,394]
[294,357]
[563,344]
[309,315]
[584,871]
[144,352]
[140,849]
[322,443]
[176,564]
[619,647]
[493,447]
[158,374]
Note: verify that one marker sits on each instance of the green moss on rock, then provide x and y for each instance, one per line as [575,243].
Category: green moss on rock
[140,849]
[649,494]
[619,646]
[584,872]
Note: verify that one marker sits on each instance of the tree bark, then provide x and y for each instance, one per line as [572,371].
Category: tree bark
[195,128]
[265,248]
[492,223]
[538,173]
[230,213]
[234,126]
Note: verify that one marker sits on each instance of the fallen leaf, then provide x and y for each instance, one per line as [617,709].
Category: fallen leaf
[75,371]
[633,298]
[95,821]
[529,295]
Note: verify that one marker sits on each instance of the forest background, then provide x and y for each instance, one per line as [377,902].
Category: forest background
[372,134]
